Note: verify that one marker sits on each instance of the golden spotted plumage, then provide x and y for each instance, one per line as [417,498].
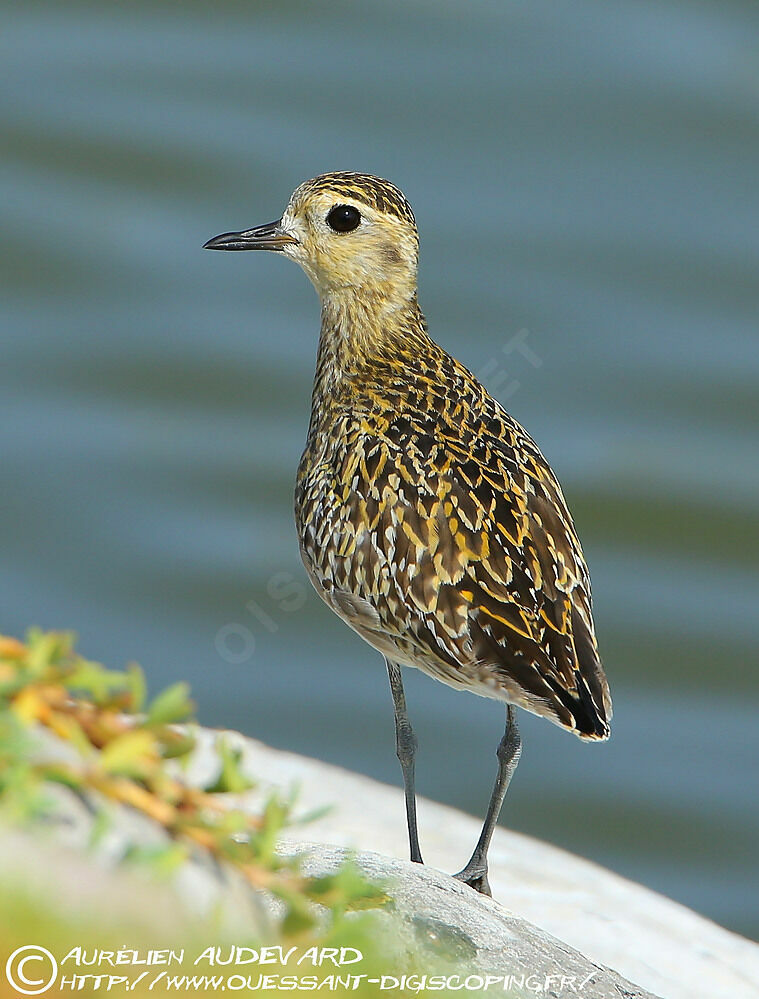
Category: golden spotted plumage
[428,519]
[430,522]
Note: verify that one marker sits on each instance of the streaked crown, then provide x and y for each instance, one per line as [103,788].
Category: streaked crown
[362,188]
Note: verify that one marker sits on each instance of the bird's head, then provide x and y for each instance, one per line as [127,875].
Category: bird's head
[350,232]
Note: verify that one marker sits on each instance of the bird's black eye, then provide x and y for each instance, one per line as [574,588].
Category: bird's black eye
[344,218]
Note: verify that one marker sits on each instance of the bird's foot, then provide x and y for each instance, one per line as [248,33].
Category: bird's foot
[476,876]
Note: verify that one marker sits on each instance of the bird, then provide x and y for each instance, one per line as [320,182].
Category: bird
[428,519]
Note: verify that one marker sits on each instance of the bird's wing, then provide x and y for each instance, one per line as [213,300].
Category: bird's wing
[531,608]
[463,547]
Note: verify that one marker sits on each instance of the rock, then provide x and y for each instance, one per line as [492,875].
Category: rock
[660,944]
[438,926]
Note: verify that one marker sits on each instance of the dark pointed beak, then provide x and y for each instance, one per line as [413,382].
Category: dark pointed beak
[264,237]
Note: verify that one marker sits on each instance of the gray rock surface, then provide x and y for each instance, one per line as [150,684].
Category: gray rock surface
[660,944]
[439,926]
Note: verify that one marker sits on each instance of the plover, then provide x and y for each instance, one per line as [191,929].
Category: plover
[428,519]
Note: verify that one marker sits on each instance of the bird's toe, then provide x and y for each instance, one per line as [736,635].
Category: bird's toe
[476,878]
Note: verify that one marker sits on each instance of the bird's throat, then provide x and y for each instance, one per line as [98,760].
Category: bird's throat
[358,334]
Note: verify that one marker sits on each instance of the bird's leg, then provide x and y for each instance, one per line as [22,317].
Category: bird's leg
[475,874]
[405,744]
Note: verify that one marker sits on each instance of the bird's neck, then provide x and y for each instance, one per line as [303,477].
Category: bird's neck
[360,332]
